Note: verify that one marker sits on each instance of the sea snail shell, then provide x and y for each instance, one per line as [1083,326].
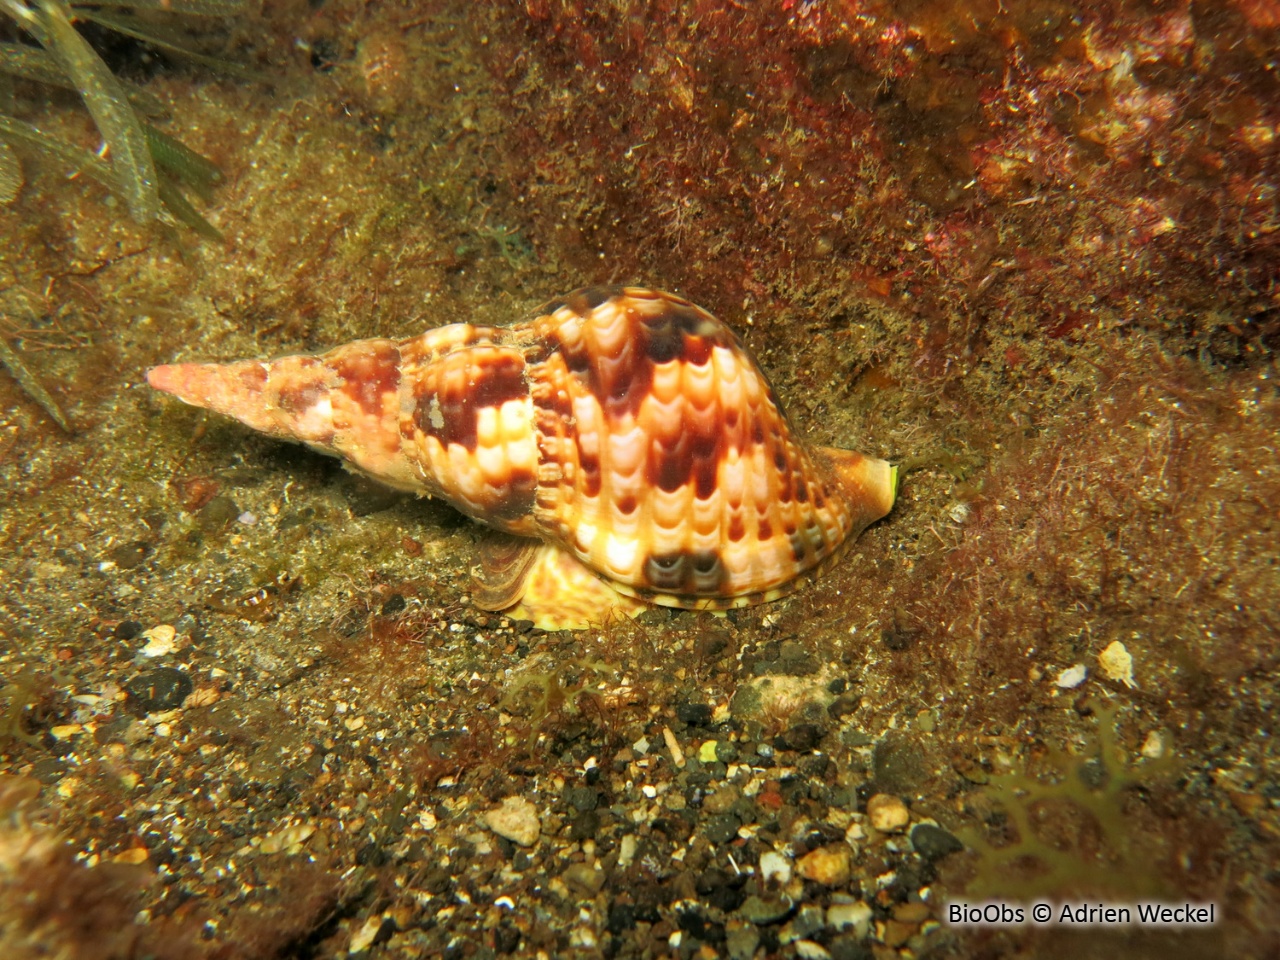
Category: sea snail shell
[627,433]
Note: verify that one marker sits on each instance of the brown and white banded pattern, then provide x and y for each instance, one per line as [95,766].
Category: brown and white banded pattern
[627,428]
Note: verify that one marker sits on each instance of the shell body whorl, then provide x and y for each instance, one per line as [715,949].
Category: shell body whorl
[628,427]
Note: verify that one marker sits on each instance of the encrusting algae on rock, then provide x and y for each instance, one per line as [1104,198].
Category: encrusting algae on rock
[623,438]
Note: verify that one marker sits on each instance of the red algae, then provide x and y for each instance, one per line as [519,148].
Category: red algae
[1026,157]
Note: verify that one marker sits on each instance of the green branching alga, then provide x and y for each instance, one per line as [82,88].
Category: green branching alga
[1098,853]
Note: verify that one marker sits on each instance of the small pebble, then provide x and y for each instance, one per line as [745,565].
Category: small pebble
[1117,664]
[694,714]
[1153,746]
[722,800]
[583,879]
[809,950]
[627,850]
[932,842]
[287,840]
[515,819]
[895,933]
[915,912]
[831,865]
[1072,677]
[742,942]
[763,911]
[850,916]
[126,556]
[721,828]
[160,640]
[887,813]
[673,747]
[802,737]
[363,938]
[774,866]
[582,798]
[157,690]
[808,920]
[850,946]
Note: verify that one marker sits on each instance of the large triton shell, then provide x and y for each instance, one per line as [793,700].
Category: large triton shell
[625,429]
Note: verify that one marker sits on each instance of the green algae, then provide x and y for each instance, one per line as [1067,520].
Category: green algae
[1075,833]
[134,151]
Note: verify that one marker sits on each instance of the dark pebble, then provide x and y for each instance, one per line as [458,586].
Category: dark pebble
[217,513]
[759,910]
[908,878]
[844,705]
[934,843]
[437,881]
[848,947]
[126,556]
[726,752]
[802,737]
[371,855]
[584,826]
[807,921]
[582,799]
[161,689]
[676,828]
[386,931]
[393,605]
[721,828]
[48,770]
[694,714]
[815,767]
[416,852]
[711,646]
[506,939]
[899,763]
[127,629]
[112,730]
[695,924]
[622,917]
[721,891]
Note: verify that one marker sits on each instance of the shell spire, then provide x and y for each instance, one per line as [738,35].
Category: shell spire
[628,429]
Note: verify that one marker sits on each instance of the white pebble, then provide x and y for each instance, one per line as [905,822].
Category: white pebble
[887,813]
[1072,677]
[160,640]
[1117,664]
[774,866]
[363,938]
[811,951]
[845,916]
[1153,746]
[516,819]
